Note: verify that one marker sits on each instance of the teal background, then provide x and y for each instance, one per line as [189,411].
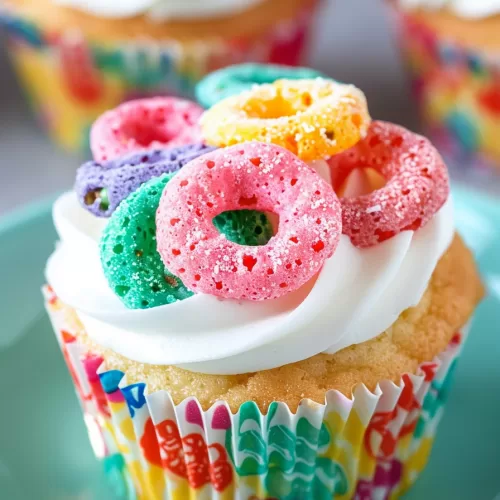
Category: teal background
[44,451]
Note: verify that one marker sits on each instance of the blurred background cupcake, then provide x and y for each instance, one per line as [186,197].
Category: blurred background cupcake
[78,58]
[452,48]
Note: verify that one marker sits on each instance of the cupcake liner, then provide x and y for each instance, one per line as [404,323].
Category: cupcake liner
[458,93]
[370,446]
[70,80]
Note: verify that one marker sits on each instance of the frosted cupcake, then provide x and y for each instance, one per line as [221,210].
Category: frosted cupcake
[452,49]
[250,318]
[79,58]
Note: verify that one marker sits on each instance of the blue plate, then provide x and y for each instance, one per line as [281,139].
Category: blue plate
[44,451]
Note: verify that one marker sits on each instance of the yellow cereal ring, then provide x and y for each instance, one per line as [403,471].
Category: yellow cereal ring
[311,118]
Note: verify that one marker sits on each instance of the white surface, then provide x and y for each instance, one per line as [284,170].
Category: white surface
[353,44]
[159,10]
[472,9]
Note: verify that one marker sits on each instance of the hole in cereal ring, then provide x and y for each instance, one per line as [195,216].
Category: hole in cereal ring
[98,194]
[246,227]
[270,107]
[359,182]
[145,132]
[92,196]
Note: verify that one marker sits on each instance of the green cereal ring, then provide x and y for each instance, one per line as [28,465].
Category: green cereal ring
[245,227]
[235,79]
[130,259]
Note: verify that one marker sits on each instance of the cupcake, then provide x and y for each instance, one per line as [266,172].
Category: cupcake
[79,58]
[452,51]
[247,316]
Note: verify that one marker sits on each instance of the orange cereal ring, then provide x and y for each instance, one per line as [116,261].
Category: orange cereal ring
[313,119]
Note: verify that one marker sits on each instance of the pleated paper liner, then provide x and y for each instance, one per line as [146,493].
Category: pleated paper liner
[373,445]
[70,80]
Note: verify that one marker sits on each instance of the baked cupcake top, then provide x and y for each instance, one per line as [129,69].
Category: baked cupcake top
[161,20]
[263,242]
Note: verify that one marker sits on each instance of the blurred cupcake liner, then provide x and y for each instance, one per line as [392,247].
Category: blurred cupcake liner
[373,445]
[458,92]
[70,81]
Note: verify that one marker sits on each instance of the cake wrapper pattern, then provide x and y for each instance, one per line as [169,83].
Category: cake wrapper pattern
[458,93]
[373,445]
[70,80]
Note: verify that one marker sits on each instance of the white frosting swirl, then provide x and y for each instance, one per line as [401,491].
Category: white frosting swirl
[159,10]
[471,9]
[356,296]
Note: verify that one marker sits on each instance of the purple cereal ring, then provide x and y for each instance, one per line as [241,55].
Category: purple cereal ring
[101,186]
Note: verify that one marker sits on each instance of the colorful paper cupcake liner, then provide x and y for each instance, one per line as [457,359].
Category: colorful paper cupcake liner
[458,92]
[372,445]
[70,80]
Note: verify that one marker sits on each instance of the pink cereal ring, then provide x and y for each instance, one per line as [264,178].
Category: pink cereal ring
[156,122]
[417,184]
[253,176]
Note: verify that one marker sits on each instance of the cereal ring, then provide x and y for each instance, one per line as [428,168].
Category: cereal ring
[311,118]
[101,186]
[417,184]
[235,79]
[129,258]
[264,177]
[151,123]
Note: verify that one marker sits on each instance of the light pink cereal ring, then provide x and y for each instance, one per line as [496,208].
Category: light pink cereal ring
[417,184]
[253,176]
[156,122]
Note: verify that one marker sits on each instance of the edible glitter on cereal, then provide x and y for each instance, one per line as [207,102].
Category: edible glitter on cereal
[152,123]
[311,118]
[238,78]
[257,176]
[417,184]
[101,186]
[129,258]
